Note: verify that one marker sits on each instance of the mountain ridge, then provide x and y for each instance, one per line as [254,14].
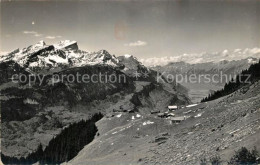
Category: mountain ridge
[205,57]
[64,54]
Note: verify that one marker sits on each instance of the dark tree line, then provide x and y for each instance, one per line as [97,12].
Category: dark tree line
[63,147]
[245,156]
[247,76]
[241,157]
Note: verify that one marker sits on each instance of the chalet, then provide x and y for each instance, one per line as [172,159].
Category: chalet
[155,111]
[172,107]
[177,119]
[161,115]
[170,114]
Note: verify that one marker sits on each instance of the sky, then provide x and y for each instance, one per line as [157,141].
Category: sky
[144,29]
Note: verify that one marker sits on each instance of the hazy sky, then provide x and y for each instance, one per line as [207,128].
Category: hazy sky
[144,29]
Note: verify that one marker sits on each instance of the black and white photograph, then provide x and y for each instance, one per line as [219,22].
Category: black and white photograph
[130,82]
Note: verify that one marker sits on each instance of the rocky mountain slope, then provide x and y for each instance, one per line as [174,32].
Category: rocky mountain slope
[33,112]
[216,128]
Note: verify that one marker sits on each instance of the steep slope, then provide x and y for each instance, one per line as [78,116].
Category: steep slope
[216,128]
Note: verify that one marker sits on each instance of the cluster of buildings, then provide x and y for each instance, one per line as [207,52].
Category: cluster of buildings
[170,115]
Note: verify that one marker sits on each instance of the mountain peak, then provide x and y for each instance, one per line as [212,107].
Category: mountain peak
[66,44]
[128,55]
[40,43]
[36,46]
[103,52]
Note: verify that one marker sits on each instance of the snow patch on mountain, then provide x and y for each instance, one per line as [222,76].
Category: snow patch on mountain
[251,61]
[128,55]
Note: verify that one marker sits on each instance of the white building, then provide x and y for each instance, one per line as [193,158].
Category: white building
[172,107]
[177,119]
[191,105]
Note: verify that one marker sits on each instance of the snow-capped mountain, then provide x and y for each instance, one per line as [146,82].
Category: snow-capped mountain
[63,54]
[204,57]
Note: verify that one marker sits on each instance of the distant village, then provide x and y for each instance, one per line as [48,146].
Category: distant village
[170,115]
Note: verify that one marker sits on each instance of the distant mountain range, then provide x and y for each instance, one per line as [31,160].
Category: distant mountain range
[224,71]
[196,58]
[227,67]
